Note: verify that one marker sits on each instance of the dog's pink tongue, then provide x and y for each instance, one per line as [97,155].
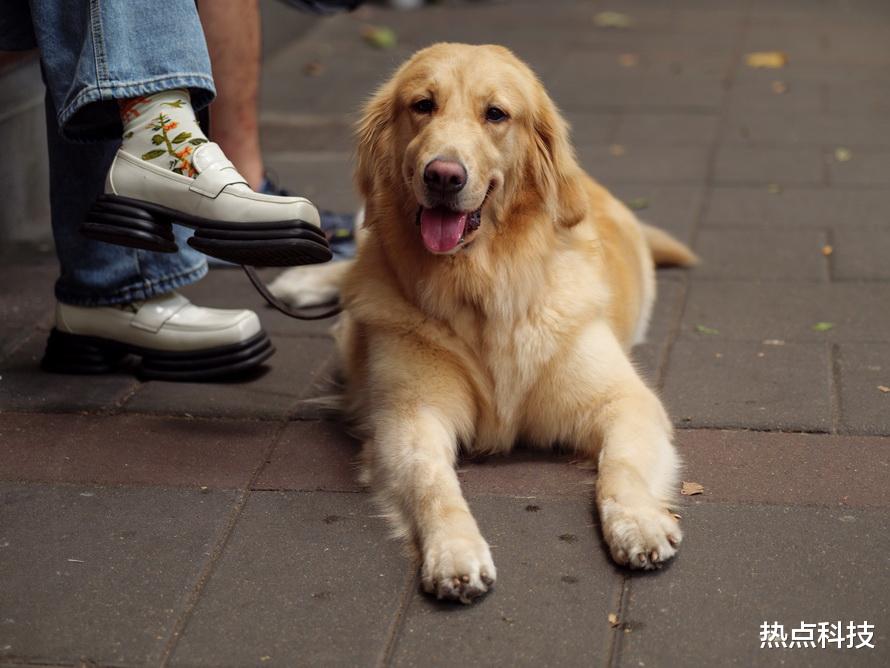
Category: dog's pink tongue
[441,229]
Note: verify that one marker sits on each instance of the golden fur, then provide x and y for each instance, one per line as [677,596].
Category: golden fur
[523,333]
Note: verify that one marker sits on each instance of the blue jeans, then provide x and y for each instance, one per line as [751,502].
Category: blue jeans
[93,53]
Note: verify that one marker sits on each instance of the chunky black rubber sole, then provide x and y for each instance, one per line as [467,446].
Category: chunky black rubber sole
[75,354]
[139,224]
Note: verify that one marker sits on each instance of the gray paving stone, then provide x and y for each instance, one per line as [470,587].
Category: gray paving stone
[797,206]
[743,565]
[306,579]
[788,311]
[132,450]
[737,384]
[779,467]
[760,128]
[550,606]
[326,179]
[861,252]
[345,80]
[312,455]
[804,97]
[286,132]
[666,130]
[527,474]
[651,60]
[26,301]
[864,369]
[274,392]
[801,44]
[25,387]
[99,573]
[575,91]
[761,253]
[746,165]
[520,29]
[592,128]
[673,208]
[855,99]
[679,165]
[649,357]
[864,168]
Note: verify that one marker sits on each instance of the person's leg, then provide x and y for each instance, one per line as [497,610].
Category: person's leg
[113,300]
[236,70]
[95,54]
[94,273]
[234,39]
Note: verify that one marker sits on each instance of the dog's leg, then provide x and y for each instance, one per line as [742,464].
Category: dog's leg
[412,461]
[618,419]
[311,285]
[637,478]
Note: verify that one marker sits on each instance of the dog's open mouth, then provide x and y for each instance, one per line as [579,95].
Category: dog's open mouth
[444,230]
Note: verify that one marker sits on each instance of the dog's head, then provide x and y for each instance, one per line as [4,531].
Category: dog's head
[462,136]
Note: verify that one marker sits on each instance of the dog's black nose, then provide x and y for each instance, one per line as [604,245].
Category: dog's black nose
[445,176]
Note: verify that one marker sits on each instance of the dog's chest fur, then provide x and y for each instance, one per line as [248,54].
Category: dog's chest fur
[511,352]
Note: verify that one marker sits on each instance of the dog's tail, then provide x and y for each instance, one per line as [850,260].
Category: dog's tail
[666,250]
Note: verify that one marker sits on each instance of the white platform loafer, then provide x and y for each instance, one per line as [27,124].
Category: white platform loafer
[231,221]
[175,340]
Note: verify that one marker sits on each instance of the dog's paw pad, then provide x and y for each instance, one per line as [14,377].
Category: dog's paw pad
[640,536]
[458,569]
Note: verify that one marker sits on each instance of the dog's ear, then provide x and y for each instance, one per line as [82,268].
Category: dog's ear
[558,175]
[374,132]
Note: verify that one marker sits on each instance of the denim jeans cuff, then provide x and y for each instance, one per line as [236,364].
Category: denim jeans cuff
[138,291]
[93,113]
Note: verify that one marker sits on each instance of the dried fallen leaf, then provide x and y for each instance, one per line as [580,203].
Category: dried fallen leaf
[691,489]
[884,388]
[827,250]
[822,326]
[313,68]
[617,150]
[779,87]
[767,59]
[773,188]
[613,620]
[842,154]
[704,329]
[629,59]
[612,20]
[637,203]
[380,37]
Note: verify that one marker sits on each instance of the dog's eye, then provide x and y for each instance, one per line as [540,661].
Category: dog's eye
[424,106]
[495,115]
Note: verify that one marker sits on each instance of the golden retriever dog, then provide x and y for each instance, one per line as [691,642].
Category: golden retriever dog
[495,297]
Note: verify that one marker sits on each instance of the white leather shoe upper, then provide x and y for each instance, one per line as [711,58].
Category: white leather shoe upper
[218,192]
[169,323]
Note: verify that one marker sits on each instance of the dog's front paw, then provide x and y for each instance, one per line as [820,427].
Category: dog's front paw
[457,568]
[642,535]
[302,287]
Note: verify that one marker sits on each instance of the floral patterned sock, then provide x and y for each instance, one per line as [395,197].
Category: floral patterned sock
[162,129]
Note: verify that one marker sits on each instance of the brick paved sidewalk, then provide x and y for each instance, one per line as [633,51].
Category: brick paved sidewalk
[221,525]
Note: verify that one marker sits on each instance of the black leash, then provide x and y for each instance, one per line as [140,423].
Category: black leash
[300,314]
